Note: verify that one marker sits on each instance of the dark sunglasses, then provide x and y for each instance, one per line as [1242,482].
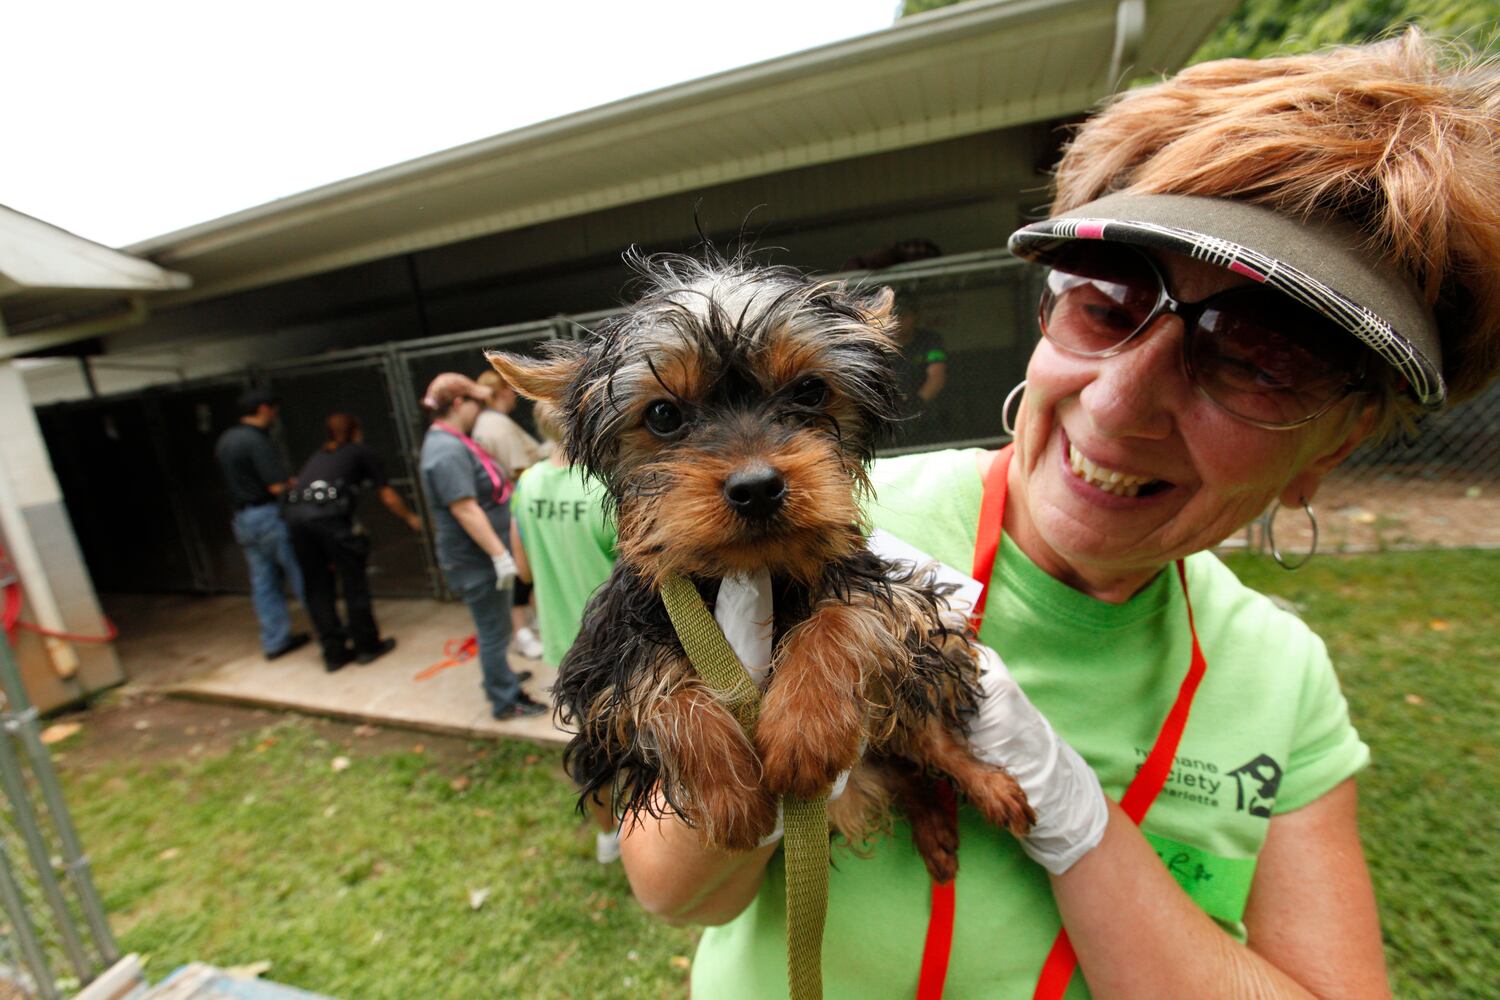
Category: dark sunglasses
[1252,351]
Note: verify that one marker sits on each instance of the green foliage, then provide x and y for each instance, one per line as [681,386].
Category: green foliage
[910,7]
[1413,636]
[1278,27]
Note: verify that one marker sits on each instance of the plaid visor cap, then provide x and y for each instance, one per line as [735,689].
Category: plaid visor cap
[1322,264]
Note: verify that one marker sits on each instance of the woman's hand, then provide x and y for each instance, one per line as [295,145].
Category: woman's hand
[505,570]
[1063,791]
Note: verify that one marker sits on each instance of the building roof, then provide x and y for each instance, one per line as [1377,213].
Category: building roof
[971,68]
[35,255]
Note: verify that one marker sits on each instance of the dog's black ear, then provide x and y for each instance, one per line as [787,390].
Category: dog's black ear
[544,379]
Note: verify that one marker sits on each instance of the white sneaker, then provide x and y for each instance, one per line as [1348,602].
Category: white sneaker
[527,644]
[606,847]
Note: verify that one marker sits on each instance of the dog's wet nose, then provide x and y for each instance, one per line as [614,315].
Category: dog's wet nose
[755,493]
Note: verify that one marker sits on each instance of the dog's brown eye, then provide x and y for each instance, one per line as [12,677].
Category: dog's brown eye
[811,392]
[663,418]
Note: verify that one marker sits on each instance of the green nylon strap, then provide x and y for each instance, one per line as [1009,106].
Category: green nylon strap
[805,843]
[806,848]
[709,651]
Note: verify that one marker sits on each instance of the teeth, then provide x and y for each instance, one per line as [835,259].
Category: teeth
[1119,483]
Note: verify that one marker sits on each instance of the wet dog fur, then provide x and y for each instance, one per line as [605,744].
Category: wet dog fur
[731,414]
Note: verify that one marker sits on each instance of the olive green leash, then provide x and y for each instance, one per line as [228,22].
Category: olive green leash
[805,842]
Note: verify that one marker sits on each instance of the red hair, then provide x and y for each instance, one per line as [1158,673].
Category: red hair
[342,427]
[1400,137]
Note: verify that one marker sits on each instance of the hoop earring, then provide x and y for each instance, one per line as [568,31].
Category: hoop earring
[1271,536]
[1010,397]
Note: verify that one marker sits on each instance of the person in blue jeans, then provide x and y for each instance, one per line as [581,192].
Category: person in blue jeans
[255,477]
[469,498]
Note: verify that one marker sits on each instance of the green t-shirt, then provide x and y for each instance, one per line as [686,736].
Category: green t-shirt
[1269,732]
[570,545]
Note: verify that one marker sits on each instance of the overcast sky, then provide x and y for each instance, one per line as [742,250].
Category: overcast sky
[125,120]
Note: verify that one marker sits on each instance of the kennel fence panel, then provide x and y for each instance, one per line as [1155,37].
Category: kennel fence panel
[1441,487]
[414,364]
[358,383]
[188,420]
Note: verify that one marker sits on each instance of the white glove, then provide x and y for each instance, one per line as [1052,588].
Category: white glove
[1071,811]
[505,570]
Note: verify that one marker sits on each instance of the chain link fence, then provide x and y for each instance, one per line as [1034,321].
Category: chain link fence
[1437,488]
[1440,488]
[54,937]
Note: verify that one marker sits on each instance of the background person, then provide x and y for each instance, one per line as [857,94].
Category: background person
[332,548]
[924,361]
[515,451]
[1334,268]
[469,496]
[923,374]
[565,546]
[255,477]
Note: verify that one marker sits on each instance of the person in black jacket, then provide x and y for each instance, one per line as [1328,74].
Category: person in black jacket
[332,547]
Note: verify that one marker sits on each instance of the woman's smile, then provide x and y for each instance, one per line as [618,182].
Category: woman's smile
[1095,480]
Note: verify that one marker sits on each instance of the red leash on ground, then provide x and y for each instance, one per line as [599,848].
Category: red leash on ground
[457,650]
[10,613]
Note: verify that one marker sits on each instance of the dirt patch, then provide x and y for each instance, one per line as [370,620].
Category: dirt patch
[149,728]
[1365,512]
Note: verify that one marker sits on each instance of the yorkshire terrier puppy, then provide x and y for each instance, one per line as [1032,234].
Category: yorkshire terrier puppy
[731,414]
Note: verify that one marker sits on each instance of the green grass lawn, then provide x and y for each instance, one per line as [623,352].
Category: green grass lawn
[1416,638]
[356,882]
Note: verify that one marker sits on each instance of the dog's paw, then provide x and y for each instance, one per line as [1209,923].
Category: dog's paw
[800,760]
[1001,801]
[736,820]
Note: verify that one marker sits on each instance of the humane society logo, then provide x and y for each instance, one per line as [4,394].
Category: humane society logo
[1255,783]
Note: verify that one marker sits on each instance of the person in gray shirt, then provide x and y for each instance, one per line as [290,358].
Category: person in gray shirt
[469,497]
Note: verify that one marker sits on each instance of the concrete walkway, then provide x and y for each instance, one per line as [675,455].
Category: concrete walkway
[206,647]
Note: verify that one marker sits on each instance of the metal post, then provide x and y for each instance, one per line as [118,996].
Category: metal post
[403,396]
[22,721]
[88,376]
[31,833]
[20,922]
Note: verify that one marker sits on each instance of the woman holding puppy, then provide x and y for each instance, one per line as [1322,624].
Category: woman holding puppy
[1253,267]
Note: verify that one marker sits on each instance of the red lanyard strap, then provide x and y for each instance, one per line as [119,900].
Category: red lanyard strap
[939,944]
[502,486]
[1148,782]
[1061,961]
